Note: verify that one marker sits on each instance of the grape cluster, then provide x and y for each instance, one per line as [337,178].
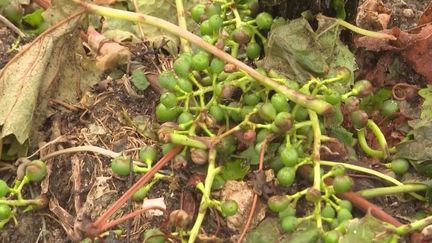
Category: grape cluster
[34,171]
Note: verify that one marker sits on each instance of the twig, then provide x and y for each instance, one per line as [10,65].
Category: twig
[255,197]
[182,24]
[11,26]
[130,216]
[100,224]
[87,148]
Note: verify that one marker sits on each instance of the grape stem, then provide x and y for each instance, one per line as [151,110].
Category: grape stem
[212,171]
[419,224]
[319,106]
[371,172]
[384,191]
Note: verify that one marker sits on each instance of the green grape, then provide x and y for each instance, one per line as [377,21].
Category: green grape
[334,224]
[278,203]
[363,87]
[251,99]
[206,29]
[185,85]
[165,114]
[36,170]
[301,114]
[4,188]
[289,156]
[241,35]
[286,176]
[185,118]
[215,22]
[289,211]
[253,50]
[328,212]
[169,99]
[342,183]
[148,154]
[5,211]
[338,170]
[333,97]
[359,119]
[343,215]
[276,163]
[121,165]
[283,121]
[331,237]
[216,66]
[229,208]
[399,166]
[167,80]
[389,107]
[264,20]
[267,112]
[200,61]
[289,223]
[214,9]
[345,204]
[140,194]
[217,113]
[280,103]
[182,66]
[198,12]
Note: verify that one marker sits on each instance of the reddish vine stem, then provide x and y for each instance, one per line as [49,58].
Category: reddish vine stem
[255,197]
[358,201]
[130,216]
[95,228]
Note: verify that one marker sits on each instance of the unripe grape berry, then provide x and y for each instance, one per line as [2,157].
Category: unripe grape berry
[278,203]
[399,166]
[36,170]
[197,12]
[121,165]
[342,183]
[264,20]
[286,176]
[229,208]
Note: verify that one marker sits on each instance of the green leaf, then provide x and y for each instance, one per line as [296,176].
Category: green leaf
[339,7]
[34,19]
[374,100]
[139,79]
[296,51]
[267,231]
[418,150]
[306,232]
[367,229]
[426,94]
[234,170]
[251,155]
[342,135]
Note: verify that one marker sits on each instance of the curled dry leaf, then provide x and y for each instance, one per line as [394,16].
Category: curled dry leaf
[109,53]
[414,47]
[373,15]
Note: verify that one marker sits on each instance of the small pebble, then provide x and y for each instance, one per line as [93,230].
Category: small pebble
[409,13]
